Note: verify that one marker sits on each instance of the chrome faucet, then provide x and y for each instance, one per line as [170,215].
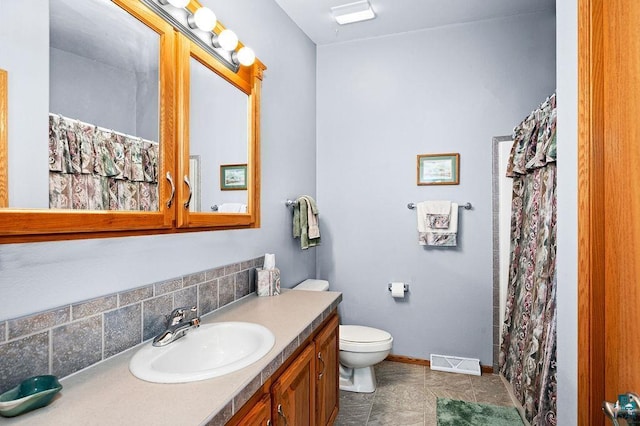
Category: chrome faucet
[177,325]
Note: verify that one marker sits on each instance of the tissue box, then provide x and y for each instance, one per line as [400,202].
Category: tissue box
[268,282]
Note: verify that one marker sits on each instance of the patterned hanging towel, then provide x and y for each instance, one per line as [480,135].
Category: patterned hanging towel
[437,214]
[431,230]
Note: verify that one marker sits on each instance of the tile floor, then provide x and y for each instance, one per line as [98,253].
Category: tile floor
[407,394]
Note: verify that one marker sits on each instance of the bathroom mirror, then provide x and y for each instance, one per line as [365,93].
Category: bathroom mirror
[104,93]
[85,128]
[225,108]
[89,139]
[219,158]
[119,70]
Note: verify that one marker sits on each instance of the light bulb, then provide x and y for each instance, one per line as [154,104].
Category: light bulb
[204,19]
[181,4]
[227,39]
[246,56]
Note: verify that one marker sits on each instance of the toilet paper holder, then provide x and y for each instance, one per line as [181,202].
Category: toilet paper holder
[405,286]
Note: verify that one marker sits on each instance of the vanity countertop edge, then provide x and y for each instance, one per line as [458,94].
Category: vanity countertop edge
[107,393]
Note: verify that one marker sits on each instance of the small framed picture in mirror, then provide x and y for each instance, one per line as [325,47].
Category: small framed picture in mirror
[233,177]
[439,169]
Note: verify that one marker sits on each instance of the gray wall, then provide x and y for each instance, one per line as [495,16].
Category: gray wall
[93,92]
[380,103]
[147,105]
[567,69]
[37,276]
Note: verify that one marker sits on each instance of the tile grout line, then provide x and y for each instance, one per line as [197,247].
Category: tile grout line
[473,390]
[375,393]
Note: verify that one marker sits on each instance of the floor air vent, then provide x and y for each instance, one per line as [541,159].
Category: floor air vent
[455,364]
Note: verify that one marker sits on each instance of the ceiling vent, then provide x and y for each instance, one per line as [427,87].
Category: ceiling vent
[353,12]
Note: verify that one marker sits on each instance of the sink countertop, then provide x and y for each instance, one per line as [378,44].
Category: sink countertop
[108,394]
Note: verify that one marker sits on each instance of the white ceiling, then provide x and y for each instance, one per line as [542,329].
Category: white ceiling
[398,16]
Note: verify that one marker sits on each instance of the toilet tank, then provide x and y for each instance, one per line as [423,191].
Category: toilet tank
[313,285]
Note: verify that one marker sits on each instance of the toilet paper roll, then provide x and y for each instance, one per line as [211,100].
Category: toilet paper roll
[397,290]
[269,261]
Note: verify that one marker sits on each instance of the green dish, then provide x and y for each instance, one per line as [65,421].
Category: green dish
[34,392]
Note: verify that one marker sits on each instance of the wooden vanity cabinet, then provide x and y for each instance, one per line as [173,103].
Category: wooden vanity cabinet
[327,373]
[260,413]
[306,391]
[293,394]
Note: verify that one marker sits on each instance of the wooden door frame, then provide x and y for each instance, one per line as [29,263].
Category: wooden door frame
[591,253]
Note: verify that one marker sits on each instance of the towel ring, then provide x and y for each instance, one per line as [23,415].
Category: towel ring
[466,206]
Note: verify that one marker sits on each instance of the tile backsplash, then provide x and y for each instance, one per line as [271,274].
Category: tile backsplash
[69,338]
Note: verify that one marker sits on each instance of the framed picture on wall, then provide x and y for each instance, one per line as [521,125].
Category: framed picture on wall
[233,177]
[439,169]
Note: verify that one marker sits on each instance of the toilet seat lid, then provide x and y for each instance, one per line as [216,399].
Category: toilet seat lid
[362,334]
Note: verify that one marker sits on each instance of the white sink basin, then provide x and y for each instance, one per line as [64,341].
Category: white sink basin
[210,350]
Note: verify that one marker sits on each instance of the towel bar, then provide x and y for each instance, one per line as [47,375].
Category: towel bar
[290,203]
[466,206]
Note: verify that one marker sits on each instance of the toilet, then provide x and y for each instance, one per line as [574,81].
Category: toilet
[360,348]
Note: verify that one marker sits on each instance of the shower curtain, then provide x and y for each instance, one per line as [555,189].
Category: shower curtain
[528,351]
[91,168]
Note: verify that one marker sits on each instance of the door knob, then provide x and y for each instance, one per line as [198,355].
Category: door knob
[626,407]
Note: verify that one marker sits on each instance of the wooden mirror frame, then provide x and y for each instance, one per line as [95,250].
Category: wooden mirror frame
[4,151]
[30,225]
[247,80]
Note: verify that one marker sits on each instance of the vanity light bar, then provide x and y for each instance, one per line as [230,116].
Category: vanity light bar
[184,29]
[176,3]
[203,21]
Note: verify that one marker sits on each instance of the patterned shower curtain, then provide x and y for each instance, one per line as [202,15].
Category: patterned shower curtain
[91,168]
[528,351]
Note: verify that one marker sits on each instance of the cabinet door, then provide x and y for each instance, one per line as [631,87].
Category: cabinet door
[260,414]
[218,141]
[293,394]
[98,145]
[327,375]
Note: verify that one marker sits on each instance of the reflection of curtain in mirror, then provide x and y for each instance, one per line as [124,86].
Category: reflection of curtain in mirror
[91,168]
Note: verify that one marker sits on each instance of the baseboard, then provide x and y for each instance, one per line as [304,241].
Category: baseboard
[418,361]
[408,360]
[486,369]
